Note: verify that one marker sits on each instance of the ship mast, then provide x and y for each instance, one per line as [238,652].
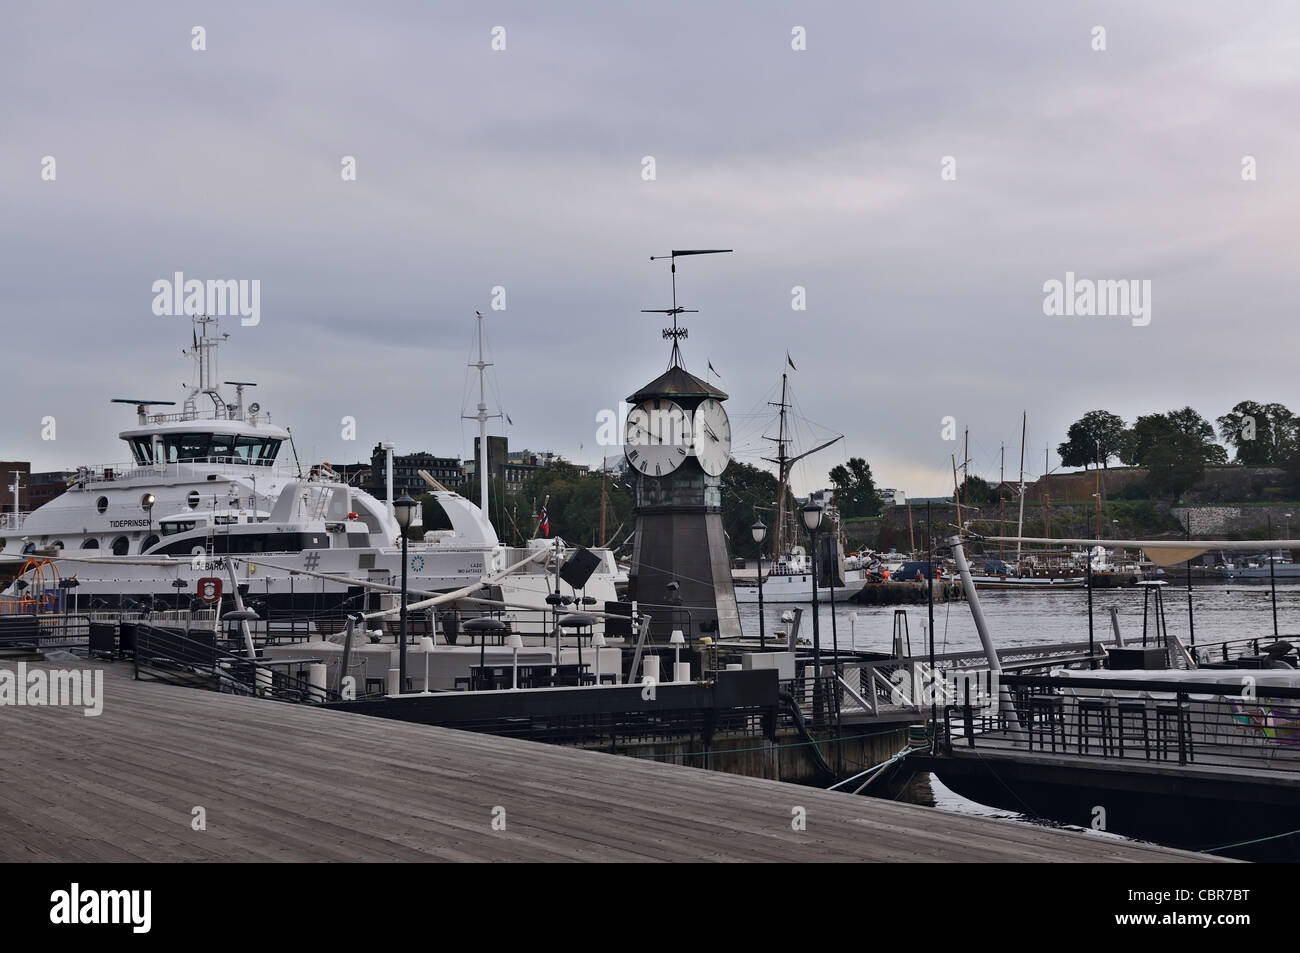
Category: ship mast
[482,417]
[1020,523]
[783,469]
[784,463]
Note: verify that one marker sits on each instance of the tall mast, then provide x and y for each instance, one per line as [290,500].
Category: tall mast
[16,487]
[482,417]
[1020,524]
[1002,480]
[784,463]
[602,498]
[783,469]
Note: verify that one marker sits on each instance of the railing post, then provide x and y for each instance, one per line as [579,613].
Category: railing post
[967,716]
[1182,738]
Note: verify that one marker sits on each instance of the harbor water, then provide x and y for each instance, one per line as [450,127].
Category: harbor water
[1219,611]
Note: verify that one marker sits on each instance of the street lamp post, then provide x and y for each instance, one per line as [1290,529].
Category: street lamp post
[759,532]
[404,511]
[812,521]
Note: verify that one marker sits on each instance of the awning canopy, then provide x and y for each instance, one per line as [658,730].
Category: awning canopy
[1162,552]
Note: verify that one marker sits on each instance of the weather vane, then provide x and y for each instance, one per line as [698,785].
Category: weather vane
[676,333]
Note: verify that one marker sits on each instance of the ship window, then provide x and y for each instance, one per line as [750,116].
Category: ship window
[193,499]
[90,544]
[149,543]
[101,504]
[29,549]
[142,449]
[58,544]
[186,446]
[171,529]
[121,546]
[223,446]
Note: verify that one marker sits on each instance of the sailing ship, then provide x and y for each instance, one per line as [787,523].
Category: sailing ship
[789,576]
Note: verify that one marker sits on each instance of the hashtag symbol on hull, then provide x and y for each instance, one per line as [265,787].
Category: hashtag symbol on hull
[311,561]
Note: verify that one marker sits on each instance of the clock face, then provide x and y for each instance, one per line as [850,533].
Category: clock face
[658,437]
[712,437]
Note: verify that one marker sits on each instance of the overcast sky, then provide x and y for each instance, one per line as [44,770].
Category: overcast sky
[523,168]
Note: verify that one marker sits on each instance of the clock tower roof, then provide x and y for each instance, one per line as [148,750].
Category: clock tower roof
[676,382]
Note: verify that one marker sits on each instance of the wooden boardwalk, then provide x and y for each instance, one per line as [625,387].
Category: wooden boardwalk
[279,782]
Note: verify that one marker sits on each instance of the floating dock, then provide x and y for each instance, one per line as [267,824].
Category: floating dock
[282,782]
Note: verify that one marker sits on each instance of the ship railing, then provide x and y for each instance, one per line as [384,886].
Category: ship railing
[189,618]
[195,415]
[12,521]
[1249,720]
[101,474]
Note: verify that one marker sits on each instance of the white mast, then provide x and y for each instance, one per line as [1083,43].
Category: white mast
[17,485]
[482,417]
[1020,524]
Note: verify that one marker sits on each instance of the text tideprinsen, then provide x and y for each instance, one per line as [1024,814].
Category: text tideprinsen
[99,907]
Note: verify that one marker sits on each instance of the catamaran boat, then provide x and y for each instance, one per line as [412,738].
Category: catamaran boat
[209,486]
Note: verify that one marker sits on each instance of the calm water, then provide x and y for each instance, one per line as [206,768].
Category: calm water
[1219,612]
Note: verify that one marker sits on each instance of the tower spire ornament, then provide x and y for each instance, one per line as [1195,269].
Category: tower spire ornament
[676,332]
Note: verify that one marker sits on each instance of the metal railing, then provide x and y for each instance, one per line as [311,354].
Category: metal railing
[1189,722]
[198,659]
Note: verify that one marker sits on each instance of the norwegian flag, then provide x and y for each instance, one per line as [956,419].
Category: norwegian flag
[545,522]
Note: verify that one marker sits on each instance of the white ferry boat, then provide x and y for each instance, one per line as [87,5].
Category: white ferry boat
[209,485]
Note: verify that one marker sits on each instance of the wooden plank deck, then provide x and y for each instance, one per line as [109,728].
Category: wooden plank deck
[281,782]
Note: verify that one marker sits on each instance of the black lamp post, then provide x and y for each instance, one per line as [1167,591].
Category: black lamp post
[760,533]
[404,510]
[812,521]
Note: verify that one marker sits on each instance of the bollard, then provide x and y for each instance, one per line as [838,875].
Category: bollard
[394,681]
[316,680]
[650,668]
[681,671]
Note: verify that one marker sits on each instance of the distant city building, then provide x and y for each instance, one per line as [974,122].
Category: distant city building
[34,489]
[892,497]
[406,472]
[46,486]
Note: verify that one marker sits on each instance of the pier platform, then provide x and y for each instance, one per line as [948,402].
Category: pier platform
[283,782]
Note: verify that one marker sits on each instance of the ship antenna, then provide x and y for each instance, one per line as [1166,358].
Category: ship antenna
[482,417]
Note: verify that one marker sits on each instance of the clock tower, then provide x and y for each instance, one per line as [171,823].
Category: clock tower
[677,445]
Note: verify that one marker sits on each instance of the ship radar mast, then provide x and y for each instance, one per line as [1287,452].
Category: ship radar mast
[482,417]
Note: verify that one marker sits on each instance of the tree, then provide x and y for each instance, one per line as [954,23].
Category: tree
[1183,430]
[1262,434]
[1175,465]
[976,491]
[855,490]
[1097,435]
[749,494]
